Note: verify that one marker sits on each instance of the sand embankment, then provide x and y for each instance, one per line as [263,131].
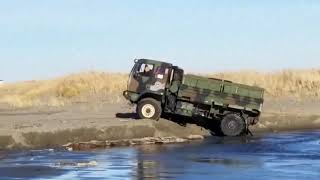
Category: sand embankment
[44,128]
[83,107]
[53,127]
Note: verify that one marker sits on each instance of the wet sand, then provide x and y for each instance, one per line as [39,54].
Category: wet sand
[47,127]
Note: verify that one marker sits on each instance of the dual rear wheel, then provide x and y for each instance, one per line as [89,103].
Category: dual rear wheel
[233,124]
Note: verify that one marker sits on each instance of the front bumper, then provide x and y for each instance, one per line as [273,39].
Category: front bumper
[131,96]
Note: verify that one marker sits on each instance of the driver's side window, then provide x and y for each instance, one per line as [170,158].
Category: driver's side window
[146,69]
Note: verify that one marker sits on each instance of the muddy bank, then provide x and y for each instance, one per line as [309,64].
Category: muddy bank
[141,132]
[6,141]
[135,131]
[287,122]
[47,127]
[94,144]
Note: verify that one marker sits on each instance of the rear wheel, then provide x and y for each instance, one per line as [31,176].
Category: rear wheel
[233,125]
[149,108]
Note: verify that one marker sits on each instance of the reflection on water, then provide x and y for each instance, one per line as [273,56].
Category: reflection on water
[293,155]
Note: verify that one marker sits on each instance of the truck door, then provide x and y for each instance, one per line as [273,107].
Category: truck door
[161,79]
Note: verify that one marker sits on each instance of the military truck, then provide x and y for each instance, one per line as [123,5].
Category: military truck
[158,87]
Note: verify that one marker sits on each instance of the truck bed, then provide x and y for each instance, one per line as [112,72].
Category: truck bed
[219,92]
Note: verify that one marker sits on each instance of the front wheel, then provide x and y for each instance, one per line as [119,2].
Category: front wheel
[233,125]
[149,108]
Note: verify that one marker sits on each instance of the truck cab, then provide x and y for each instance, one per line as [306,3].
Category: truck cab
[148,84]
[148,78]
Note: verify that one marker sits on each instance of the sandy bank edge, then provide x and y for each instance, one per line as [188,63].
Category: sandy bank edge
[131,130]
[146,129]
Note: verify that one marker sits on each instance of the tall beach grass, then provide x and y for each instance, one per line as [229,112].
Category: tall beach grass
[65,90]
[109,86]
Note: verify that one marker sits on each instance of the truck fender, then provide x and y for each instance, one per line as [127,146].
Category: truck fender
[150,95]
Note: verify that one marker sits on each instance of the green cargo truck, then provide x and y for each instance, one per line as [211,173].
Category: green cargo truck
[159,87]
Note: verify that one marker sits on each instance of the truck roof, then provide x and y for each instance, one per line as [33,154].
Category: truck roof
[155,62]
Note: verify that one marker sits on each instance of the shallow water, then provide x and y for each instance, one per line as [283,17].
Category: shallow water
[293,155]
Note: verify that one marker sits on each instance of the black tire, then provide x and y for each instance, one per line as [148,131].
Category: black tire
[233,125]
[150,104]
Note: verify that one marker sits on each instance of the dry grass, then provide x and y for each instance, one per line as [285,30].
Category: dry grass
[292,83]
[108,87]
[61,91]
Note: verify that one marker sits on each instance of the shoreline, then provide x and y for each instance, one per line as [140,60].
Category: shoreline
[48,127]
[94,144]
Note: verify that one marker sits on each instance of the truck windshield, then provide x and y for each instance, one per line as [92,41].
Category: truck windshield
[131,75]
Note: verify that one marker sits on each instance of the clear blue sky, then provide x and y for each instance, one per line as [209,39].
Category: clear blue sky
[40,39]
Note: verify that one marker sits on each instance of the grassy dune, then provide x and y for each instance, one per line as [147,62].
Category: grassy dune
[108,87]
[286,83]
[64,90]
